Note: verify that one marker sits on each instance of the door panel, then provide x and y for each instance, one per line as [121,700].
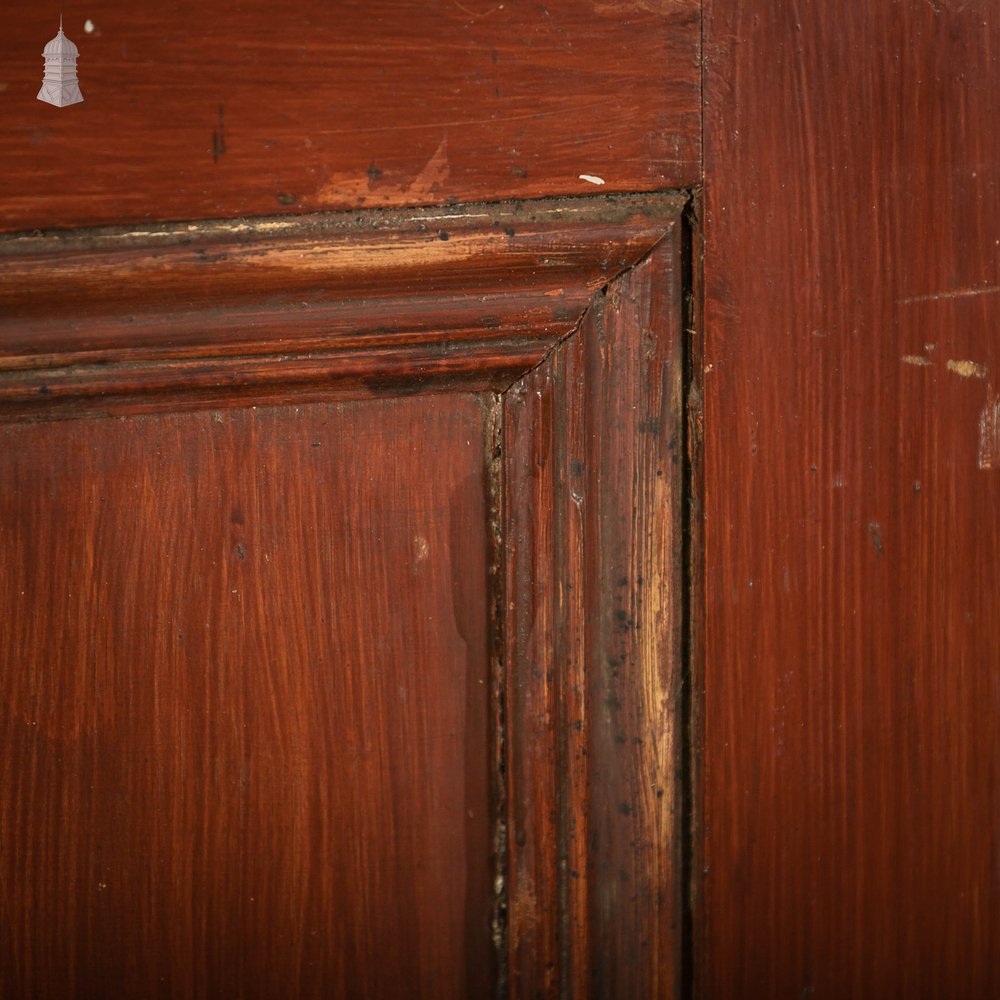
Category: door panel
[245,703]
[341,652]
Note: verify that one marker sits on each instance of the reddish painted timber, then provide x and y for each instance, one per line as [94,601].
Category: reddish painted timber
[341,301]
[204,110]
[593,649]
[244,705]
[563,492]
[851,717]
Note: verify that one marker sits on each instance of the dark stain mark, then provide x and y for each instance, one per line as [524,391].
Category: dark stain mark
[491,322]
[875,534]
[44,390]
[625,809]
[241,552]
[204,257]
[219,137]
[496,90]
[443,235]
[576,468]
[285,198]
[519,172]
[509,230]
[494,55]
[374,173]
[236,516]
[401,385]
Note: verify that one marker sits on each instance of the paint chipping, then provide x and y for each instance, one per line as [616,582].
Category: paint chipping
[88,26]
[591,178]
[435,173]
[968,369]
[875,534]
[376,184]
[915,359]
[989,432]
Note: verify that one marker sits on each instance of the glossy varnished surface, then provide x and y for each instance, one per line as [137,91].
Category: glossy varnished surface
[195,110]
[852,363]
[243,703]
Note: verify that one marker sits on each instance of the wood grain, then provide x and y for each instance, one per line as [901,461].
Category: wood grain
[852,727]
[196,110]
[244,704]
[592,444]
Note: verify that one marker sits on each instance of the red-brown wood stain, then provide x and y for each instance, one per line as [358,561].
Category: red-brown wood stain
[244,703]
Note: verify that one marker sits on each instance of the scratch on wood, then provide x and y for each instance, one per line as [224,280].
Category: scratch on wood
[473,14]
[915,359]
[957,293]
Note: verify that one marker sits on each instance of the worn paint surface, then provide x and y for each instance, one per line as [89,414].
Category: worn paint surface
[199,110]
[851,720]
[593,447]
[543,545]
[224,311]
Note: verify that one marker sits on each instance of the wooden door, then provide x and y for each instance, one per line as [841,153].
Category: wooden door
[341,561]
[341,642]
[675,526]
